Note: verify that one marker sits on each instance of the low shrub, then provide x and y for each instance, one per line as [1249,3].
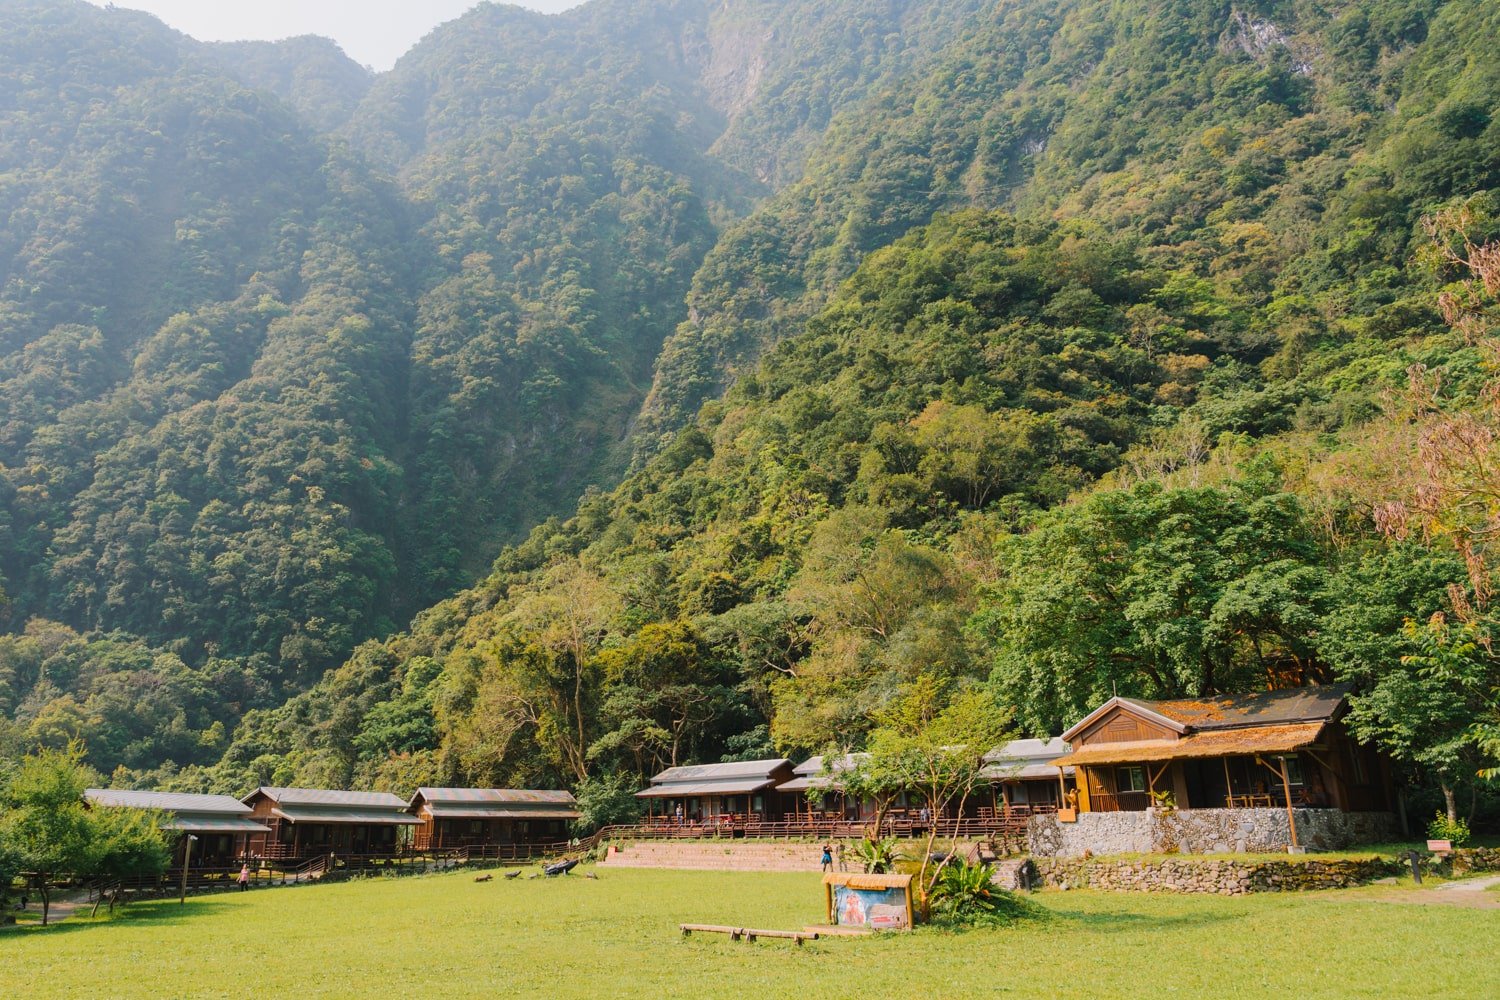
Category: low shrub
[1454,830]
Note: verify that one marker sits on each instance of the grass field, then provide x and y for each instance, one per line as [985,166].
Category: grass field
[617,937]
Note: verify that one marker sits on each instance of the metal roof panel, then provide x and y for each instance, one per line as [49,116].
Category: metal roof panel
[167,801]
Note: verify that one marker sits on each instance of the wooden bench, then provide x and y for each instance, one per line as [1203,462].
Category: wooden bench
[748,933]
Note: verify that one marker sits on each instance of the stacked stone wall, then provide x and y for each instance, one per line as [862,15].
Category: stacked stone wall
[1470,861]
[1204,831]
[1223,877]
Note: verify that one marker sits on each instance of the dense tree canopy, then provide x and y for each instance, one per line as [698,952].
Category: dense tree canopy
[1028,351]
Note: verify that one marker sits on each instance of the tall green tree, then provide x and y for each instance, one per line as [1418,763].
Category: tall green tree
[932,743]
[1157,593]
[44,824]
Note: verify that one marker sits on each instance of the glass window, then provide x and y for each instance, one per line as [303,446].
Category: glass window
[1130,779]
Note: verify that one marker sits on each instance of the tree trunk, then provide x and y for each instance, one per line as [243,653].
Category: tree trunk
[46,900]
[1450,800]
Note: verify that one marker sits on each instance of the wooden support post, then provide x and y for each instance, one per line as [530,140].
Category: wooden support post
[1286,789]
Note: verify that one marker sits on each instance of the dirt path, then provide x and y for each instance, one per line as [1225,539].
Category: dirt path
[1470,893]
[61,909]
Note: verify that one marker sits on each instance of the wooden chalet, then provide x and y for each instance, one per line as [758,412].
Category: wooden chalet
[1272,749]
[720,794]
[814,792]
[468,817]
[304,822]
[1023,775]
[220,824]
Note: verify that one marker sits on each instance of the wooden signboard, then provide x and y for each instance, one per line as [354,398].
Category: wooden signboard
[1440,846]
[878,902]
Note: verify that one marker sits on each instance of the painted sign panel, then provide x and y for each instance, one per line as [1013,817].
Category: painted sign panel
[882,909]
[879,902]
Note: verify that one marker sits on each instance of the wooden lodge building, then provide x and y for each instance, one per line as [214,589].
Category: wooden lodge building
[721,794]
[1024,776]
[1268,750]
[815,792]
[469,817]
[304,822]
[221,824]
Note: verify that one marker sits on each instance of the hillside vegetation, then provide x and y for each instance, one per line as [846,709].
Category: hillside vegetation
[1051,349]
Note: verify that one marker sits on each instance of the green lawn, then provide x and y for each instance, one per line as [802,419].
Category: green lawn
[617,937]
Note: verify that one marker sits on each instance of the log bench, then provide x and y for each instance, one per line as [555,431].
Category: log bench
[748,933]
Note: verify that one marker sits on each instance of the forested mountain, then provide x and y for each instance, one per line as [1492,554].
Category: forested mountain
[1054,348]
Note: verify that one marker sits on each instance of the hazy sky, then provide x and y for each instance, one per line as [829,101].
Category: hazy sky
[373,32]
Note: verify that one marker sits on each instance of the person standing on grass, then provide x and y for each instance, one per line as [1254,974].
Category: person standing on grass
[827,858]
[245,877]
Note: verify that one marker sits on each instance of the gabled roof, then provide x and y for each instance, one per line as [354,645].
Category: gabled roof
[508,796]
[735,778]
[495,803]
[1021,760]
[1264,708]
[327,797]
[1135,707]
[1291,706]
[721,772]
[1027,751]
[809,773]
[226,805]
[185,811]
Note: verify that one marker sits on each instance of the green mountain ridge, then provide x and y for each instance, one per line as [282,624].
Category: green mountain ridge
[861,322]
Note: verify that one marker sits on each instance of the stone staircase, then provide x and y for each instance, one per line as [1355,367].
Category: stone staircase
[732,856]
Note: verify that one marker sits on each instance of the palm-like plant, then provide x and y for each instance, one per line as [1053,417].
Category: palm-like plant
[877,856]
[964,890]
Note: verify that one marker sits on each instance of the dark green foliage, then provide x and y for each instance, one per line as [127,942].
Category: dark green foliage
[1155,594]
[289,352]
[46,831]
[966,893]
[606,800]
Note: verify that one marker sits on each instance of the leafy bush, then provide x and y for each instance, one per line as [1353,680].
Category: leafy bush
[1455,830]
[607,800]
[877,856]
[966,892]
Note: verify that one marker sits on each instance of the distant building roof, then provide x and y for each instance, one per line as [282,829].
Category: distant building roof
[735,778]
[810,773]
[1024,760]
[184,811]
[495,803]
[167,801]
[326,797]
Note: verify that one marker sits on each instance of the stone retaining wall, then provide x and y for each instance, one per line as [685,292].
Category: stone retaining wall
[1204,831]
[1471,861]
[1222,877]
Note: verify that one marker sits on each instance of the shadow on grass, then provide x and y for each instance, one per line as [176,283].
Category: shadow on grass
[1125,919]
[1022,912]
[157,912]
